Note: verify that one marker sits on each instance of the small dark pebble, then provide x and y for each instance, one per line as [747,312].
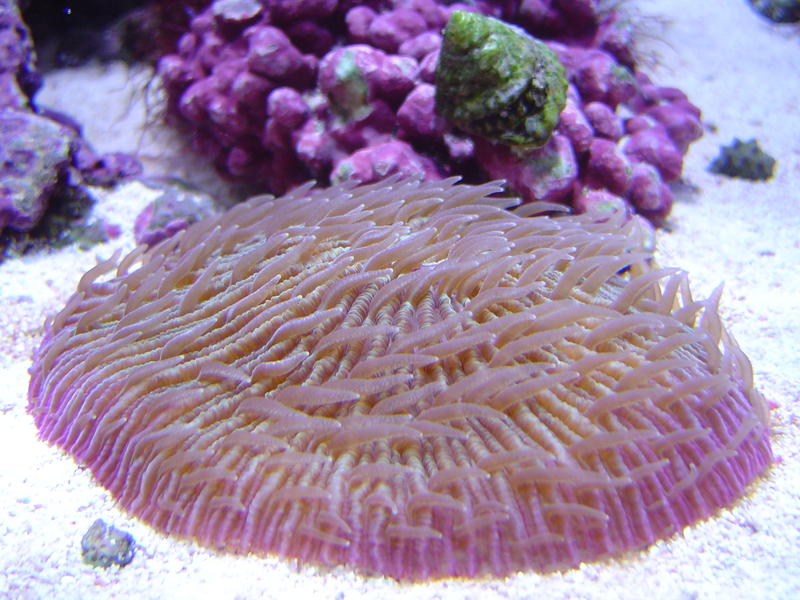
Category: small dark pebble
[104,545]
[779,11]
[744,160]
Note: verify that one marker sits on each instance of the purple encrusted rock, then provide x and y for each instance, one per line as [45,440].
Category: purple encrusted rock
[240,161]
[417,115]
[652,145]
[377,162]
[343,78]
[680,121]
[434,14]
[314,89]
[608,167]
[599,77]
[103,170]
[287,108]
[19,79]
[617,36]
[42,153]
[548,173]
[378,126]
[193,103]
[272,54]
[177,207]
[238,12]
[176,73]
[353,77]
[574,124]
[460,148]
[542,17]
[420,46]
[34,160]
[248,91]
[225,113]
[578,10]
[427,67]
[311,38]
[603,120]
[359,19]
[637,123]
[291,10]
[213,50]
[396,78]
[647,192]
[389,30]
[600,203]
[314,147]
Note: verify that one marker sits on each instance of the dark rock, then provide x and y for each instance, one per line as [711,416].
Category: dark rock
[104,170]
[744,160]
[779,11]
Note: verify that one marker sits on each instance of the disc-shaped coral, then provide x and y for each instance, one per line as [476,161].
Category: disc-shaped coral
[405,378]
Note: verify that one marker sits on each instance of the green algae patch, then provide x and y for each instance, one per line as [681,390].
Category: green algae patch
[743,160]
[496,81]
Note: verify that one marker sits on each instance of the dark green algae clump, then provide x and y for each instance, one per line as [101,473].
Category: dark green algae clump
[779,11]
[496,81]
[743,160]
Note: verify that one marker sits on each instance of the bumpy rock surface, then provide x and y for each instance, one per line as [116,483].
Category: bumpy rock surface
[495,81]
[34,159]
[281,92]
[177,207]
[19,79]
[42,153]
[104,545]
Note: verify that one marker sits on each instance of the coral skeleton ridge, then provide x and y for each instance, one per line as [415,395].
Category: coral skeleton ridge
[405,378]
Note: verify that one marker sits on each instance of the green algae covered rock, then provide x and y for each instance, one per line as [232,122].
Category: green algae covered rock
[744,160]
[496,81]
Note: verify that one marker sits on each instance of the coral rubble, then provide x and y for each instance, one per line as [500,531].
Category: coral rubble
[104,545]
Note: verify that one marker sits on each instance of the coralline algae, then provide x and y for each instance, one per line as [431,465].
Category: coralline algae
[42,153]
[287,91]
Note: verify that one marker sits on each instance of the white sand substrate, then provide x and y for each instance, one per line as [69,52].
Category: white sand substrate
[742,71]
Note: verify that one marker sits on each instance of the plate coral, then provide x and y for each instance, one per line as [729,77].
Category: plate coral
[405,378]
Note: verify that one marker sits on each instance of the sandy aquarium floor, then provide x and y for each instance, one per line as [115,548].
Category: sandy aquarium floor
[742,72]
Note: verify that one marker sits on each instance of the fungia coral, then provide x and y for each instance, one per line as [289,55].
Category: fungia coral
[405,378]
